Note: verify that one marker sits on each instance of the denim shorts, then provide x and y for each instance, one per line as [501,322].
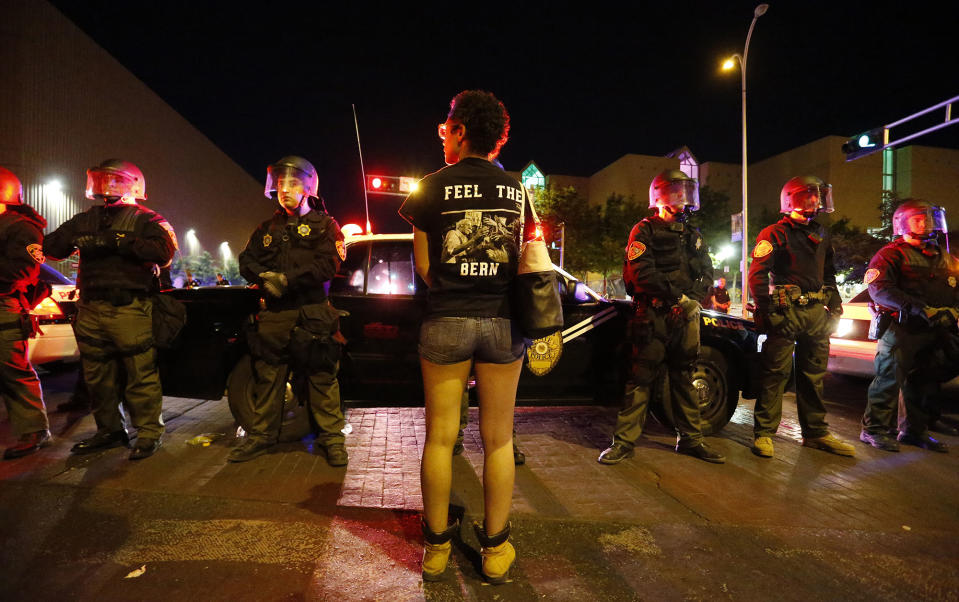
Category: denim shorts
[487,340]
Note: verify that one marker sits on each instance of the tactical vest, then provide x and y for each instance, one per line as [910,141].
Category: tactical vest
[114,271]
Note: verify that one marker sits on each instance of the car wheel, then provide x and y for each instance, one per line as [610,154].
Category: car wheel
[240,392]
[717,400]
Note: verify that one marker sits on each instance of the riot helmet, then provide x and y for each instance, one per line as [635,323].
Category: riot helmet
[116,180]
[294,171]
[675,189]
[934,219]
[808,195]
[11,190]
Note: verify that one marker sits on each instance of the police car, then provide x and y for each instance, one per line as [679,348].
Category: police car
[55,341]
[378,287]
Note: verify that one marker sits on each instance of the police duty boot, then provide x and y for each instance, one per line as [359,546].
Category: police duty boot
[924,441]
[336,454]
[701,451]
[616,453]
[498,554]
[101,441]
[763,447]
[249,449]
[144,448]
[831,444]
[27,444]
[880,441]
[436,551]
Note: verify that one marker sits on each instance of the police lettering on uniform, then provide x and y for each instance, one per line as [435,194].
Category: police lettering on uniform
[668,272]
[292,257]
[913,283]
[123,247]
[792,277]
[21,253]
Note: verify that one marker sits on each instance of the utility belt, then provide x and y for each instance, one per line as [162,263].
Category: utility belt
[786,295]
[117,297]
[657,303]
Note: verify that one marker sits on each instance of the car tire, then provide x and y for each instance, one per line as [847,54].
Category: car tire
[718,399]
[240,392]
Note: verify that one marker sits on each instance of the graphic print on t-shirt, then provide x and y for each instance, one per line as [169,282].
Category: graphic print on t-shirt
[479,240]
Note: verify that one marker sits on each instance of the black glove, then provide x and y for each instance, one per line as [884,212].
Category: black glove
[96,243]
[833,302]
[274,283]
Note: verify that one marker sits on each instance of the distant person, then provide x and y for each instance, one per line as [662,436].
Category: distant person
[667,271]
[121,246]
[21,253]
[190,281]
[719,298]
[292,257]
[468,322]
[792,278]
[221,281]
[913,282]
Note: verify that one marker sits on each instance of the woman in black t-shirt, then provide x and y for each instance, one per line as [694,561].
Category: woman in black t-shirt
[467,223]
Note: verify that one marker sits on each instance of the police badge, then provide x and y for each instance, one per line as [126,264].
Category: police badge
[267,239]
[543,354]
[952,281]
[303,230]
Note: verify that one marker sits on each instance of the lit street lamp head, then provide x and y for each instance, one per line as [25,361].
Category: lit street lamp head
[760,10]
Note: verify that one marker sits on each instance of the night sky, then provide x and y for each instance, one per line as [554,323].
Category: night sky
[583,85]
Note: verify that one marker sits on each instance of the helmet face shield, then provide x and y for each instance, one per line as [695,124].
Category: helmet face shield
[813,198]
[677,194]
[110,185]
[920,220]
[294,173]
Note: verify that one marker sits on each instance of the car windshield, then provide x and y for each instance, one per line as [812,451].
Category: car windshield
[51,276]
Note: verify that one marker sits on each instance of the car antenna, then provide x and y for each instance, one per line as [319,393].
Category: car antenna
[359,147]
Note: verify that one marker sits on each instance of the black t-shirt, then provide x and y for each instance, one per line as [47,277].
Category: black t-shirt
[471,213]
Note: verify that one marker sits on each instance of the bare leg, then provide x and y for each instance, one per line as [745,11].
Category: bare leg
[496,386]
[443,387]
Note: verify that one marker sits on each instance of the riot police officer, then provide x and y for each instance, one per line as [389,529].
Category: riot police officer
[122,247]
[792,278]
[292,256]
[21,253]
[912,282]
[668,272]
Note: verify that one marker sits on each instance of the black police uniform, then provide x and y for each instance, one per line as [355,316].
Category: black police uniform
[664,261]
[903,280]
[297,328]
[21,253]
[120,246]
[792,279]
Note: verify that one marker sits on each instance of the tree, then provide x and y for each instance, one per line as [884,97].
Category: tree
[852,249]
[887,207]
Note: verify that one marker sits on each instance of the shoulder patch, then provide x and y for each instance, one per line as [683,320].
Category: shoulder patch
[952,281]
[634,250]
[341,250]
[763,248]
[166,226]
[36,251]
[871,275]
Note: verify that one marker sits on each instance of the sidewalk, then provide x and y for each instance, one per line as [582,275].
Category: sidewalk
[661,526]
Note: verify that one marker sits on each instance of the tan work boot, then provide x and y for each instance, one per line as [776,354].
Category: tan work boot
[830,444]
[498,554]
[436,551]
[763,447]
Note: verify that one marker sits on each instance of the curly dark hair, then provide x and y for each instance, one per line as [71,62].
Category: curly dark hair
[485,118]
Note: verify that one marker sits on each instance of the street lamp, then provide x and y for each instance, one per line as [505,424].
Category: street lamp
[193,243]
[728,65]
[225,253]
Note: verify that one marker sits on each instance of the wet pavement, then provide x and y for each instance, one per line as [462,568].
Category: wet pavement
[660,526]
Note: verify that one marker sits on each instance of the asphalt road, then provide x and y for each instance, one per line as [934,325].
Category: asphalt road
[185,525]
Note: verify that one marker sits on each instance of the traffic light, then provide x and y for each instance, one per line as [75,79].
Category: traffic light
[864,144]
[401,186]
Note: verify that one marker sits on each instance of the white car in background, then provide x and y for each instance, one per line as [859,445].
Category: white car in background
[56,342]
